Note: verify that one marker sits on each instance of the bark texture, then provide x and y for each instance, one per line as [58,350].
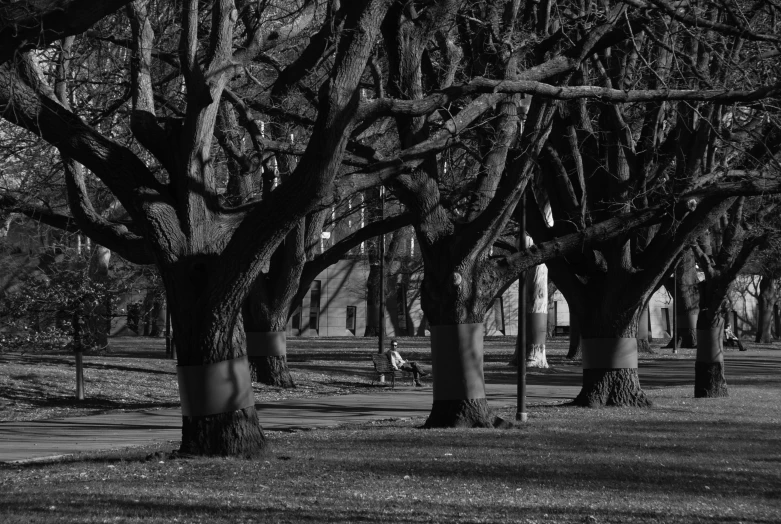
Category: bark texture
[271,371]
[98,321]
[643,333]
[611,387]
[722,254]
[767,299]
[709,381]
[373,280]
[537,300]
[27,25]
[687,299]
[574,351]
[460,414]
[535,356]
[234,434]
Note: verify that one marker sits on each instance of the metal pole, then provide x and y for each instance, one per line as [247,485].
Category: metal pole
[521,414]
[79,376]
[167,330]
[79,357]
[381,322]
[109,316]
[675,308]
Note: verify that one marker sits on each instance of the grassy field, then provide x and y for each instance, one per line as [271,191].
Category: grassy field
[682,461]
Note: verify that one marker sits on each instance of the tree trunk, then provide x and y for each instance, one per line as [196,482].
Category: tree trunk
[687,301]
[767,298]
[459,385]
[146,315]
[611,387]
[574,352]
[610,360]
[537,316]
[373,280]
[643,333]
[268,358]
[265,322]
[456,307]
[272,371]
[218,411]
[709,378]
[97,318]
[234,434]
[157,317]
[709,381]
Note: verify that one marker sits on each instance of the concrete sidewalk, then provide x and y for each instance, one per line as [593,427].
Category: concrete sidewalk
[23,441]
[20,441]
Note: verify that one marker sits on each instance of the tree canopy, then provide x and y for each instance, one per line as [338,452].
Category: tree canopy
[624,114]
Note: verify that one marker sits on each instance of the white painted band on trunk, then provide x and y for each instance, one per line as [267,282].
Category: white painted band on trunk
[223,387]
[609,353]
[536,328]
[710,347]
[457,361]
[271,344]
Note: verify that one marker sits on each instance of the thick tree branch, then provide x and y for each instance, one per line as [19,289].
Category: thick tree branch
[697,21]
[31,24]
[143,122]
[115,237]
[424,106]
[512,266]
[354,239]
[43,214]
[313,176]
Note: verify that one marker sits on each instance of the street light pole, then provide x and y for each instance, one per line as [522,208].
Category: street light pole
[676,294]
[381,320]
[520,346]
[168,352]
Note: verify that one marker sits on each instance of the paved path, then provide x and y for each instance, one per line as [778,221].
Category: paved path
[21,441]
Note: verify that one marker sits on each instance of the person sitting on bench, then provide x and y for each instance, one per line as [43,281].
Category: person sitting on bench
[405,365]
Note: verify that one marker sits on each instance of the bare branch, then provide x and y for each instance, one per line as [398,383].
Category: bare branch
[424,106]
[30,24]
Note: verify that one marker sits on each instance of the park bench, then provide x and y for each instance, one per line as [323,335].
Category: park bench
[383,368]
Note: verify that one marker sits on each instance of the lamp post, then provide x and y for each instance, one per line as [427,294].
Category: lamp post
[79,351]
[675,307]
[381,320]
[520,343]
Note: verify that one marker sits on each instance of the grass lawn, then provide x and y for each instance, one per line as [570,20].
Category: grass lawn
[681,461]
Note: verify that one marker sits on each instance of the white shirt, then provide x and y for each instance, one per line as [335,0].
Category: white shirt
[395,359]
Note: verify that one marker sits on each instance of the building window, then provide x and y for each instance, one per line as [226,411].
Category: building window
[314,306]
[350,321]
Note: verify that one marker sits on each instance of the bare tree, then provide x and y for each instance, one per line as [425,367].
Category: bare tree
[425,98]
[463,198]
[208,255]
[722,255]
[32,24]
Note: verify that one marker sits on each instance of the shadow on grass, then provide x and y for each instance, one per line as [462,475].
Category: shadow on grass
[100,403]
[68,360]
[313,508]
